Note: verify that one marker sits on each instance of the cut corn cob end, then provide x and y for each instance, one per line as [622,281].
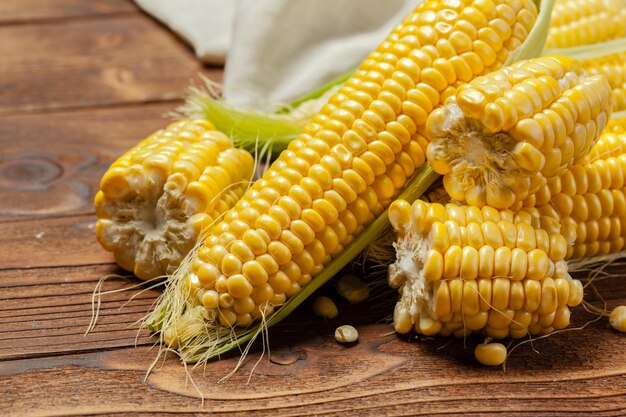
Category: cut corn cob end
[463,269]
[502,136]
[156,199]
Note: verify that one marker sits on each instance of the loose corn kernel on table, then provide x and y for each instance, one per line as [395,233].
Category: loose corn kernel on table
[81,81]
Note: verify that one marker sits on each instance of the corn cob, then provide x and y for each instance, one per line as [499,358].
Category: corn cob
[581,22]
[155,199]
[349,162]
[590,199]
[463,269]
[502,136]
[615,125]
[613,66]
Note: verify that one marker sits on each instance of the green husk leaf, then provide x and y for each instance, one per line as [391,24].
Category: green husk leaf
[592,51]
[320,91]
[275,129]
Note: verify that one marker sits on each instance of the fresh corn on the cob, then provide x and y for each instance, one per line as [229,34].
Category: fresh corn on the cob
[590,198]
[502,136]
[155,200]
[581,22]
[463,269]
[350,161]
[613,66]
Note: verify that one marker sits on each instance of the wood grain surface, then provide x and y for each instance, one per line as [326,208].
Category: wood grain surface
[108,61]
[29,11]
[81,81]
[40,180]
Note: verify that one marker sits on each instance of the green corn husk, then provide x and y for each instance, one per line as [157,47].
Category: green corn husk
[591,51]
[269,131]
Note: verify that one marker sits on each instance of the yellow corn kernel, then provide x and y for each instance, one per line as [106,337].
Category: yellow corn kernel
[346,334]
[617,319]
[325,307]
[490,354]
[353,289]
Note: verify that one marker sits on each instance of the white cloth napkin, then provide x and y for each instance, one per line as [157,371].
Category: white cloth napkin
[278,50]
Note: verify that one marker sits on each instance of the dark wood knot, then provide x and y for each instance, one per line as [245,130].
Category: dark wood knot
[28,171]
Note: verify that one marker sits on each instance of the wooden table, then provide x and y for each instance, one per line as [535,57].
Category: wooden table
[81,81]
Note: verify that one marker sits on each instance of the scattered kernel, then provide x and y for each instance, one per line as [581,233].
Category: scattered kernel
[346,334]
[617,318]
[490,354]
[325,307]
[353,289]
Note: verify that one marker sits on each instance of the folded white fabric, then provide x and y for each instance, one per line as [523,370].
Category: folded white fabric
[205,24]
[278,50]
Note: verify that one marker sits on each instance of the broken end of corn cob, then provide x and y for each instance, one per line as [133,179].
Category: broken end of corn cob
[501,136]
[462,269]
[155,200]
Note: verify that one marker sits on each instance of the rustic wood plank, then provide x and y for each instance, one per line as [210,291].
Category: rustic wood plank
[50,262]
[307,373]
[39,180]
[52,242]
[23,11]
[46,311]
[94,62]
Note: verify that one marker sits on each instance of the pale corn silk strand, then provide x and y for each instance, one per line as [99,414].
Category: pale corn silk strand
[181,298]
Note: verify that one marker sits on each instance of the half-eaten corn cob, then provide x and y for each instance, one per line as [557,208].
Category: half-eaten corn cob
[502,136]
[155,199]
[463,269]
